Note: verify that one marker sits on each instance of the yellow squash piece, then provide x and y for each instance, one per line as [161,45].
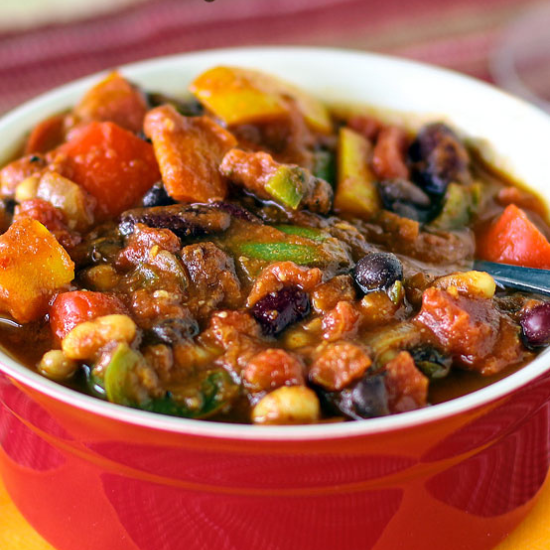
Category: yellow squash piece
[356,190]
[241,96]
[33,266]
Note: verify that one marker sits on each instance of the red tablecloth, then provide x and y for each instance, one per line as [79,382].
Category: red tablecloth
[459,34]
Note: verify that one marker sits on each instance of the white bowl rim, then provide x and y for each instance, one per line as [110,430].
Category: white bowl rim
[221,430]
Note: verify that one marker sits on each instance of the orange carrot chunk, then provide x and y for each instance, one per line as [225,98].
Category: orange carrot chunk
[112,164]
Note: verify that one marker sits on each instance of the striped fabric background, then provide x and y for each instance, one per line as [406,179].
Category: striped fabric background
[459,34]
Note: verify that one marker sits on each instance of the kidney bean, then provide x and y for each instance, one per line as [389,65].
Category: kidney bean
[438,158]
[535,325]
[277,310]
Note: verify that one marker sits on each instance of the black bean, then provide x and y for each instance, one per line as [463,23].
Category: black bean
[433,363]
[406,199]
[173,330]
[277,310]
[185,220]
[535,325]
[157,196]
[370,398]
[367,398]
[377,271]
[438,158]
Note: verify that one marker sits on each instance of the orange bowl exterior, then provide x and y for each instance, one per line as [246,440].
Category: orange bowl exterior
[90,482]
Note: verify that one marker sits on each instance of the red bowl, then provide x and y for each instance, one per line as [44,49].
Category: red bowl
[460,475]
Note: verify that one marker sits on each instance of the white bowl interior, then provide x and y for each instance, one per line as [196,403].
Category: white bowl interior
[512,135]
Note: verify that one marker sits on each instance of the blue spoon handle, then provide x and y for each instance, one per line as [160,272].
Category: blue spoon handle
[521,278]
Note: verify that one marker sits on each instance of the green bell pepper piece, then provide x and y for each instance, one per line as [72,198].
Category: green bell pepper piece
[459,207]
[212,391]
[311,233]
[287,186]
[301,254]
[324,166]
[202,396]
[120,376]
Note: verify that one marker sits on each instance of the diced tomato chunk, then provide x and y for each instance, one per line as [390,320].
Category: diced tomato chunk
[112,164]
[50,217]
[467,327]
[477,335]
[15,172]
[407,387]
[115,100]
[514,239]
[338,365]
[72,308]
[389,154]
[367,126]
[140,243]
[42,211]
[271,369]
[46,135]
[342,321]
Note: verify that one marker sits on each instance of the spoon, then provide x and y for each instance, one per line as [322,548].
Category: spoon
[521,278]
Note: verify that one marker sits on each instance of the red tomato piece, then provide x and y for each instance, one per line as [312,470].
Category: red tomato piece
[388,161]
[72,308]
[367,126]
[46,135]
[116,100]
[112,164]
[514,239]
[50,217]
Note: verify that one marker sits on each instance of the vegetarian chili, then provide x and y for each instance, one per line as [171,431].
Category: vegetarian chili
[249,255]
